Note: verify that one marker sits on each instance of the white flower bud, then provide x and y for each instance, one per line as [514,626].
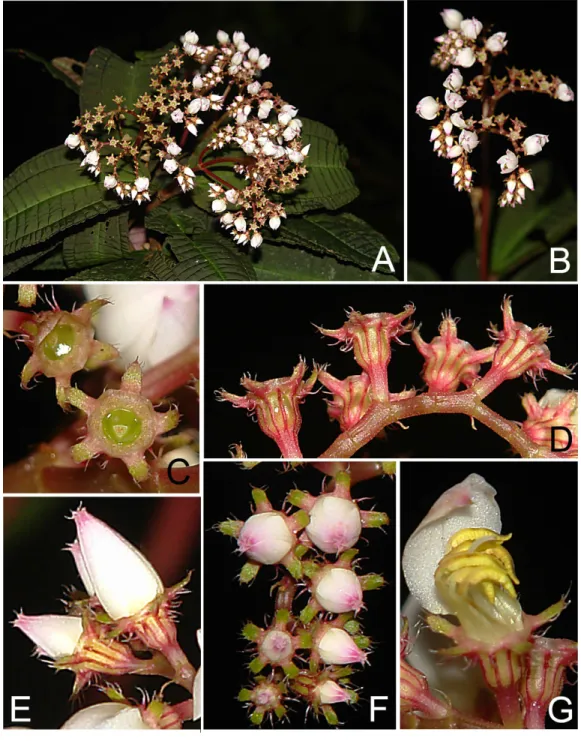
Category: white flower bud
[452,18]
[248,147]
[107,716]
[454,80]
[533,144]
[274,222]
[228,218]
[218,205]
[337,647]
[109,182]
[454,152]
[470,504]
[192,129]
[55,636]
[253,54]
[339,591]
[240,224]
[508,162]
[335,524]
[198,82]
[254,87]
[465,57]
[565,93]
[177,116]
[72,141]
[265,537]
[237,58]
[264,108]
[256,240]
[141,184]
[269,149]
[92,158]
[428,108]
[453,100]
[238,38]
[468,140]
[496,42]
[263,61]
[527,179]
[189,172]
[329,692]
[173,148]
[471,28]
[170,166]
[223,37]
[458,120]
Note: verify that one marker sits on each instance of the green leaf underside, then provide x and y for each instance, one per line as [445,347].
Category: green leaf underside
[101,242]
[133,268]
[54,261]
[49,66]
[23,261]
[540,268]
[278,262]
[107,75]
[47,194]
[343,236]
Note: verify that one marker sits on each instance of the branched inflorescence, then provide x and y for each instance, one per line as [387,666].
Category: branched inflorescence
[257,133]
[465,44]
[307,653]
[364,405]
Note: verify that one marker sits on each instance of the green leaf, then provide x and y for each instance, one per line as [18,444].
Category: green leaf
[188,219]
[49,66]
[23,260]
[47,194]
[100,242]
[328,184]
[278,262]
[152,57]
[134,268]
[107,75]
[52,262]
[540,269]
[465,268]
[344,236]
[420,271]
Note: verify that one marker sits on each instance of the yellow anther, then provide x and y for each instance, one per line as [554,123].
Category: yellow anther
[470,534]
[483,577]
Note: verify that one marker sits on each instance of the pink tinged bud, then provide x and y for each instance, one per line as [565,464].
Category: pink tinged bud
[339,590]
[124,581]
[465,57]
[527,179]
[497,42]
[337,647]
[471,28]
[75,549]
[508,162]
[448,127]
[107,716]
[266,538]
[330,692]
[55,636]
[565,93]
[472,503]
[452,18]
[277,647]
[533,144]
[454,152]
[454,80]
[453,100]
[335,524]
[428,108]
[458,120]
[72,141]
[468,140]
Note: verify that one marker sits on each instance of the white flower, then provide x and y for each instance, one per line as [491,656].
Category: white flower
[337,647]
[237,58]
[238,38]
[192,129]
[454,80]
[527,179]
[189,41]
[197,691]
[471,27]
[269,149]
[533,144]
[123,579]
[496,42]
[141,184]
[266,538]
[458,120]
[428,108]
[170,166]
[232,195]
[109,182]
[470,504]
[263,61]
[198,82]
[55,636]
[106,716]
[240,224]
[287,113]
[565,93]
[256,240]
[329,692]
[72,141]
[508,162]
[335,524]
[173,148]
[91,159]
[254,87]
[468,140]
[274,222]
[452,18]
[218,205]
[265,108]
[453,100]
[177,116]
[339,590]
[223,37]
[297,157]
[253,54]
[465,57]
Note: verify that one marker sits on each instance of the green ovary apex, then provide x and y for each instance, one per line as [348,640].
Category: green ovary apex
[121,426]
[60,342]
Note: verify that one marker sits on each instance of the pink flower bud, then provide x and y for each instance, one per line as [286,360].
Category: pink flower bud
[454,80]
[471,28]
[335,524]
[557,409]
[55,636]
[266,538]
[565,93]
[533,144]
[452,18]
[428,108]
[497,42]
[336,646]
[465,57]
[338,590]
[453,100]
[508,162]
[329,692]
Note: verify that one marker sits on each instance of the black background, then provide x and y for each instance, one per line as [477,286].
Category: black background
[540,35]
[228,604]
[538,503]
[264,330]
[341,64]
[37,571]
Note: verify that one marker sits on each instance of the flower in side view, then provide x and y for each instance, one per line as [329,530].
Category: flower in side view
[508,162]
[453,100]
[497,42]
[534,144]
[148,322]
[107,716]
[552,421]
[454,80]
[471,28]
[351,398]
[428,108]
[336,646]
[55,636]
[338,590]
[452,18]
[565,93]
[449,360]
[468,140]
[465,57]
[72,141]
[121,423]
[330,692]
[276,405]
[62,343]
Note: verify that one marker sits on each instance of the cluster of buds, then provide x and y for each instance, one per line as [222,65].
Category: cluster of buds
[125,614]
[455,563]
[186,84]
[456,137]
[325,634]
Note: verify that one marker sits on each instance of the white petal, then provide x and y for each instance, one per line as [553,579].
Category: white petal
[107,715]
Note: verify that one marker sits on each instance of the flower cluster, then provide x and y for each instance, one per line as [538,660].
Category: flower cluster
[363,404]
[258,132]
[456,563]
[326,634]
[124,624]
[455,136]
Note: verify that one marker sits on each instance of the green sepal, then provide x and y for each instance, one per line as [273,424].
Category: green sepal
[279,711]
[259,497]
[230,527]
[291,670]
[308,613]
[245,695]
[352,626]
[389,468]
[305,639]
[376,519]
[251,632]
[294,567]
[256,665]
[248,572]
[257,717]
[362,642]
[310,568]
[301,518]
[282,616]
[330,715]
[371,581]
[296,497]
